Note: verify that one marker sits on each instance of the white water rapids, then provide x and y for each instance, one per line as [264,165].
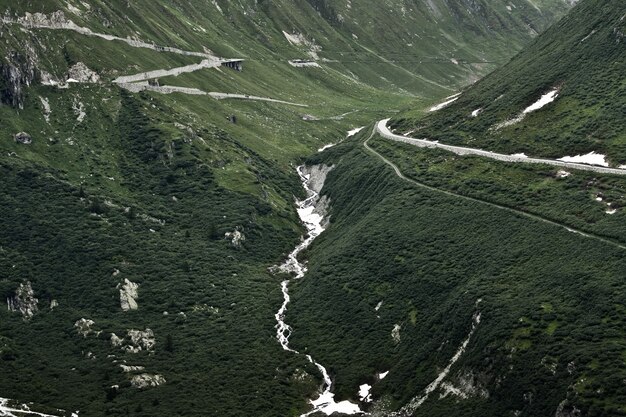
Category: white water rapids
[313,222]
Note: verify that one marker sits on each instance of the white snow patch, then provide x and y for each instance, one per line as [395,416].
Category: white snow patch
[622,167]
[323,148]
[449,100]
[382,375]
[520,155]
[327,405]
[378,306]
[611,211]
[591,158]
[476,112]
[364,393]
[20,410]
[355,131]
[543,101]
[310,212]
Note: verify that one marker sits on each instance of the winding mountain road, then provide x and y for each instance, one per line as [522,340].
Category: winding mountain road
[383,130]
[383,124]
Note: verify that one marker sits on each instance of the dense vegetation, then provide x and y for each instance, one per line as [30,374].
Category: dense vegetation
[552,301]
[579,199]
[145,187]
[584,57]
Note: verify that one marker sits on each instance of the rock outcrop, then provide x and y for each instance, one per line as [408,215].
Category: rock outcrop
[80,73]
[140,340]
[83,327]
[147,380]
[395,333]
[23,301]
[17,72]
[116,340]
[23,138]
[129,368]
[128,295]
[236,237]
[316,176]
[466,384]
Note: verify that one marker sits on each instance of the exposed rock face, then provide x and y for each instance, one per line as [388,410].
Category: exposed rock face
[79,72]
[466,384]
[23,301]
[83,327]
[23,138]
[316,176]
[127,368]
[135,341]
[147,380]
[140,340]
[17,72]
[236,237]
[129,295]
[54,20]
[116,340]
[395,333]
[47,110]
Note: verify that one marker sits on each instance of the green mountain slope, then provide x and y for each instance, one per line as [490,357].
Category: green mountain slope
[181,202]
[583,57]
[410,267]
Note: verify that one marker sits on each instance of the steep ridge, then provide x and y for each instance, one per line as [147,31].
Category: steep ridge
[581,61]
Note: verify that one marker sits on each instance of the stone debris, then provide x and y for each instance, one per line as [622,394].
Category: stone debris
[47,110]
[236,237]
[83,327]
[81,73]
[116,340]
[23,138]
[23,301]
[465,385]
[79,110]
[129,368]
[140,340]
[395,333]
[147,380]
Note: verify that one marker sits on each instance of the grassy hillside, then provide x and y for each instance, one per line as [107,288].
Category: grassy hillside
[151,188]
[583,57]
[551,301]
